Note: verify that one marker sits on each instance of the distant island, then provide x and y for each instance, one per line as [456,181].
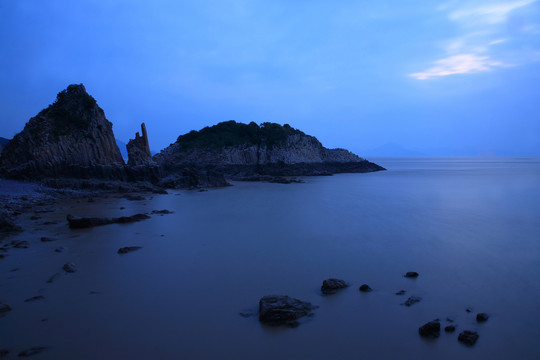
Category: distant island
[71,144]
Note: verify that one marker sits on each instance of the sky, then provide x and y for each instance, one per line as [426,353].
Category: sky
[440,78]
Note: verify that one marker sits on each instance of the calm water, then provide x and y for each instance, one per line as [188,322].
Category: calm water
[470,227]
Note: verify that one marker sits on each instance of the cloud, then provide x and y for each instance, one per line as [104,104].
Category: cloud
[495,13]
[480,29]
[458,64]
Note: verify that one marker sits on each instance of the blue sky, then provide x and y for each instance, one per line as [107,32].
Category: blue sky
[434,77]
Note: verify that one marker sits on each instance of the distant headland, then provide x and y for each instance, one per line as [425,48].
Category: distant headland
[71,144]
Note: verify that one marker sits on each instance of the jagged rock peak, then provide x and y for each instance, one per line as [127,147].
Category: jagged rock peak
[139,149]
[70,135]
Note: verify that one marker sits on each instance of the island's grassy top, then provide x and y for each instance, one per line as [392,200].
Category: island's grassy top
[231,133]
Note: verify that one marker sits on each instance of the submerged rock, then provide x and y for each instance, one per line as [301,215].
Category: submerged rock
[330,286]
[468,338]
[4,308]
[53,278]
[431,330]
[279,310]
[34,298]
[411,274]
[162,212]
[34,350]
[412,300]
[401,292]
[47,239]
[127,249]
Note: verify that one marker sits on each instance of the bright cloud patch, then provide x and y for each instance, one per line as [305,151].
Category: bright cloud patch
[458,64]
[489,14]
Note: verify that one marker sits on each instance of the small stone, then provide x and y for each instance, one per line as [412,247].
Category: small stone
[330,286]
[69,267]
[431,330]
[450,328]
[468,338]
[482,317]
[162,212]
[46,239]
[127,249]
[34,298]
[468,309]
[412,300]
[60,249]
[411,274]
[401,292]
[246,314]
[365,288]
[449,319]
[32,351]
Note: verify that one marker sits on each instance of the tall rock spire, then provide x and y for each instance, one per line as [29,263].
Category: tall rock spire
[139,149]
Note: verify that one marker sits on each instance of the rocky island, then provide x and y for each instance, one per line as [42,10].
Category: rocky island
[71,144]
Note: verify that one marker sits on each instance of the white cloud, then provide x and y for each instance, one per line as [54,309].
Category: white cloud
[488,14]
[481,27]
[458,64]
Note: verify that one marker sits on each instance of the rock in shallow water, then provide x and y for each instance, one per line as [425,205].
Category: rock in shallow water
[431,330]
[411,274]
[330,286]
[365,288]
[450,328]
[86,222]
[127,249]
[279,310]
[468,338]
[69,267]
[482,317]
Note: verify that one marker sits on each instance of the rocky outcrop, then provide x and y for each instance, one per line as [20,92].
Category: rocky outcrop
[240,150]
[139,149]
[70,138]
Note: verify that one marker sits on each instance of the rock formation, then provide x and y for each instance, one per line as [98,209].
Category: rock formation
[70,138]
[240,150]
[139,149]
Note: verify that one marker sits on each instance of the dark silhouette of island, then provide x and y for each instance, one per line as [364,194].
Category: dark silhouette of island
[71,144]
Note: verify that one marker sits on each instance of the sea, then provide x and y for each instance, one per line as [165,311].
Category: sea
[469,226]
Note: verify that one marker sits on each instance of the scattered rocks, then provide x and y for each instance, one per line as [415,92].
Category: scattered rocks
[8,226]
[86,222]
[4,308]
[54,277]
[430,330]
[450,328]
[277,310]
[330,286]
[365,288]
[69,267]
[127,249]
[47,239]
[412,300]
[34,298]
[21,244]
[411,274]
[34,350]
[401,292]
[468,338]
[482,317]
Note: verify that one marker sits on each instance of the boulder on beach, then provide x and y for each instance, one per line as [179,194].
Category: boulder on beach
[468,338]
[330,286]
[277,310]
[430,330]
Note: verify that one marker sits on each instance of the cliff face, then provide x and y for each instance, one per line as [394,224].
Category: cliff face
[230,146]
[71,135]
[139,149]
